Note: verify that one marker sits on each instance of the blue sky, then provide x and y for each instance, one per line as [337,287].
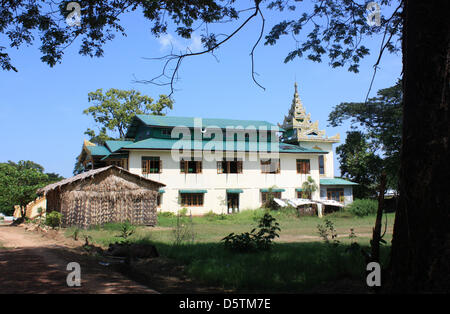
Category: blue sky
[41,107]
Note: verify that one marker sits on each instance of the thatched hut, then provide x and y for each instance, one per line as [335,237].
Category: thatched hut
[109,194]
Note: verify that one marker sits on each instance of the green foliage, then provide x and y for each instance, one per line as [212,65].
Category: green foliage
[53,219]
[309,187]
[183,212]
[328,232]
[19,183]
[376,139]
[126,231]
[213,216]
[114,110]
[183,231]
[25,22]
[254,240]
[166,214]
[270,203]
[363,207]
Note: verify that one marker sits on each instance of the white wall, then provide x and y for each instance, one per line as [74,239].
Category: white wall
[329,158]
[250,181]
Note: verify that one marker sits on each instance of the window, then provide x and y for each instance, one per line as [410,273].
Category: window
[190,166]
[165,132]
[229,166]
[270,165]
[151,165]
[303,166]
[300,195]
[321,165]
[336,194]
[192,199]
[264,195]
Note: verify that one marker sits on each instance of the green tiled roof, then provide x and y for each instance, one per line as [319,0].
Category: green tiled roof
[116,145]
[336,181]
[155,120]
[167,144]
[98,150]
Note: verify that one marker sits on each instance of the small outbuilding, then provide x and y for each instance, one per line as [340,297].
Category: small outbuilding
[108,194]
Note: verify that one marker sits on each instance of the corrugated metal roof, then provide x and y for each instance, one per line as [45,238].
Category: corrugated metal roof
[164,121]
[168,144]
[336,181]
[98,150]
[116,145]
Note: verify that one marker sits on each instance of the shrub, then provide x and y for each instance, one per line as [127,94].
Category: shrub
[166,214]
[254,240]
[53,219]
[126,231]
[213,216]
[363,207]
[183,212]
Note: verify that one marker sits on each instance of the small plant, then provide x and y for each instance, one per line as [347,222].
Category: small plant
[126,231]
[183,232]
[166,214]
[261,239]
[183,212]
[327,231]
[53,219]
[76,232]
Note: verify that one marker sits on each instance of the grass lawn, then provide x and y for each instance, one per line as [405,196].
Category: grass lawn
[299,260]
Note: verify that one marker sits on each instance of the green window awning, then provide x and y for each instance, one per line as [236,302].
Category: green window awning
[234,191]
[161,191]
[298,190]
[273,190]
[192,191]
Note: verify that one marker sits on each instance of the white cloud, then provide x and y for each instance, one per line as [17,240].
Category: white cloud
[167,41]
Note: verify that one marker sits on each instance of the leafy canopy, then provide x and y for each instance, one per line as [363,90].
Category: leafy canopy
[374,143]
[334,28]
[114,110]
[19,183]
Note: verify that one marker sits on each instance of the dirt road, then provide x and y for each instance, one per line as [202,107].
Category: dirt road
[32,263]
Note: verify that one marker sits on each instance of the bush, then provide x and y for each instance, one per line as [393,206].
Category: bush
[183,212]
[53,219]
[261,239]
[166,214]
[363,207]
[213,216]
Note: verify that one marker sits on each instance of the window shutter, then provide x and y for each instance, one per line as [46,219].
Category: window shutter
[308,167]
[199,167]
[160,166]
[219,167]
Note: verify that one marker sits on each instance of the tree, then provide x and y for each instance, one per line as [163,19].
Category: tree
[421,246]
[359,164]
[114,110]
[308,188]
[18,185]
[378,123]
[421,241]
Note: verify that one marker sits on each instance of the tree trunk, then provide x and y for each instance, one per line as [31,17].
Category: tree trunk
[376,234]
[421,241]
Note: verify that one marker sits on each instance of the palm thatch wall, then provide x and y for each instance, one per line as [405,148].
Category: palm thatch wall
[109,194]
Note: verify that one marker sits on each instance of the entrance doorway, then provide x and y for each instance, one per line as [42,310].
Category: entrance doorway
[233,203]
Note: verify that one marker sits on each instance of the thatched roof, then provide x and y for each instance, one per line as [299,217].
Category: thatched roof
[90,174]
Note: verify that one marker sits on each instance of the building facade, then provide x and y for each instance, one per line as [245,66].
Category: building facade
[225,165]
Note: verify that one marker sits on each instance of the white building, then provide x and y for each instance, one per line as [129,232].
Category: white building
[225,165]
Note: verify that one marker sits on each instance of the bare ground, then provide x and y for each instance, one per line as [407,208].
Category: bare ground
[35,262]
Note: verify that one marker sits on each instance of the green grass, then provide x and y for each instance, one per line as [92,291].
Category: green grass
[298,261]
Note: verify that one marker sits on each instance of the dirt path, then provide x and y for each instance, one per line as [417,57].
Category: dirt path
[32,263]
